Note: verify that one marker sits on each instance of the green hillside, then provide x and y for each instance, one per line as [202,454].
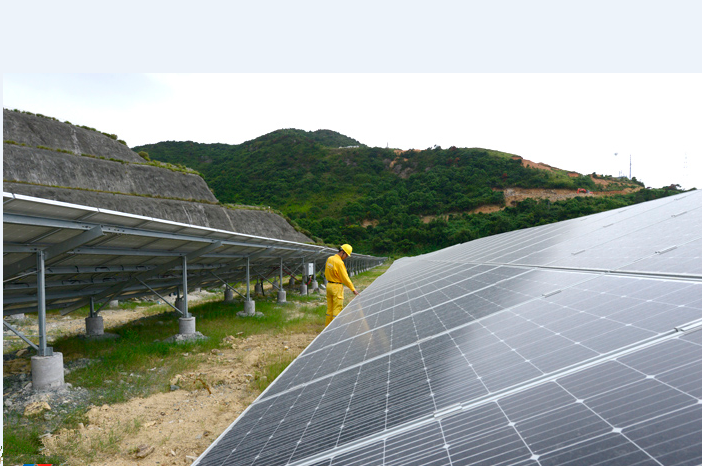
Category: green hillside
[376,198]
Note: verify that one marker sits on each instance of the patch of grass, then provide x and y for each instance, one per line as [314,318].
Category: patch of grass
[87,449]
[22,444]
[140,363]
[273,366]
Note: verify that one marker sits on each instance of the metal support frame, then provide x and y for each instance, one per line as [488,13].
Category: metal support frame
[228,285]
[248,280]
[164,299]
[43,349]
[92,307]
[117,289]
[263,277]
[53,251]
[185,312]
[281,274]
[19,334]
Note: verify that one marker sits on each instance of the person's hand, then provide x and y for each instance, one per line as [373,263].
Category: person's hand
[355,292]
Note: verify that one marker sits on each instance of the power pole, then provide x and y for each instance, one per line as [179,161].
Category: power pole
[629,166]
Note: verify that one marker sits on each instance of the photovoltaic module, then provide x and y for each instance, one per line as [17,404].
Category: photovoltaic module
[570,343]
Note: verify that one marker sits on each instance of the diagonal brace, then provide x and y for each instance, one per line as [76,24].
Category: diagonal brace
[146,275]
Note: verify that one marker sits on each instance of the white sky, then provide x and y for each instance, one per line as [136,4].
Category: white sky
[565,83]
[571,121]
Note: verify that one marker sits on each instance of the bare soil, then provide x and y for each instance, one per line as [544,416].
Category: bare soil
[516,195]
[179,424]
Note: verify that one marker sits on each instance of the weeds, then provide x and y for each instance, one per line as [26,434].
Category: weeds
[140,364]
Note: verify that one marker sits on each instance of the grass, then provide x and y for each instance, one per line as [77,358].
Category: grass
[140,363]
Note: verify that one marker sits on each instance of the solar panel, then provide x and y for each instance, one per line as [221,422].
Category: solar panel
[105,254]
[571,343]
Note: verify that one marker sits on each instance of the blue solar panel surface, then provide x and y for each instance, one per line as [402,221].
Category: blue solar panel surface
[570,343]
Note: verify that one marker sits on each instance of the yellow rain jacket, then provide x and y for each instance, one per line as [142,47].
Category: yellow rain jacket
[337,277]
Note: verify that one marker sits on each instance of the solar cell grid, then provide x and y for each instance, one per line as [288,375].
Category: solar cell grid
[519,365]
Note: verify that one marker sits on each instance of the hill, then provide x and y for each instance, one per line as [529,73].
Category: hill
[46,158]
[379,198]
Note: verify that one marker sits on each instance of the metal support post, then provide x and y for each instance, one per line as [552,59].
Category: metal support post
[92,307]
[248,281]
[41,306]
[186,314]
[281,274]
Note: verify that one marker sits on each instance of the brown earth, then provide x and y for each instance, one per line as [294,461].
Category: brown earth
[181,424]
[516,195]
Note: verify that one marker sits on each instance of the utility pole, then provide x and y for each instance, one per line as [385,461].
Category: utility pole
[629,166]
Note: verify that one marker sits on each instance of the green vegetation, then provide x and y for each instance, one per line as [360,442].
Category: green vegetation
[140,363]
[375,198]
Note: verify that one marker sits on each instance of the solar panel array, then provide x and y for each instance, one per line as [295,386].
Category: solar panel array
[569,343]
[109,255]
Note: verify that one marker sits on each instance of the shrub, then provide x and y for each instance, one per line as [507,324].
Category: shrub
[144,155]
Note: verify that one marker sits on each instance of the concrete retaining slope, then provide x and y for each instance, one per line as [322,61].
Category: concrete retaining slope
[39,131]
[122,186]
[52,168]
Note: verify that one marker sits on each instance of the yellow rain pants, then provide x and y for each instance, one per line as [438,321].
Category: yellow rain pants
[337,277]
[335,300]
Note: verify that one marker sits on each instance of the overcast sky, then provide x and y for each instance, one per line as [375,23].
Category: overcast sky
[571,121]
[569,84]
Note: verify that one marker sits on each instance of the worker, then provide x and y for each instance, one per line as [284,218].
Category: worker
[337,277]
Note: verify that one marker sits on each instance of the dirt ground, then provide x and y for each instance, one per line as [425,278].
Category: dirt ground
[171,428]
[516,195]
[181,424]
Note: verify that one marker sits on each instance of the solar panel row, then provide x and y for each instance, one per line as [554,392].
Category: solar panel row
[537,347]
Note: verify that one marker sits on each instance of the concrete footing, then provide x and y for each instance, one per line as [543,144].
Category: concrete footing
[228,295]
[186,325]
[258,289]
[315,286]
[303,289]
[114,304]
[281,296]
[249,309]
[291,283]
[47,372]
[15,317]
[178,303]
[94,326]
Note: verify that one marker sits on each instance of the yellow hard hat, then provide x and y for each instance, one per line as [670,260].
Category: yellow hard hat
[347,248]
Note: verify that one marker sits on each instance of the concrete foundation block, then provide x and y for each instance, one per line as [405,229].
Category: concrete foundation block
[315,286]
[186,325]
[228,295]
[303,289]
[292,282]
[258,289]
[249,309]
[281,296]
[94,326]
[114,304]
[47,372]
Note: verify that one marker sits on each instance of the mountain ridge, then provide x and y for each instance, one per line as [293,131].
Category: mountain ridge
[380,198]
